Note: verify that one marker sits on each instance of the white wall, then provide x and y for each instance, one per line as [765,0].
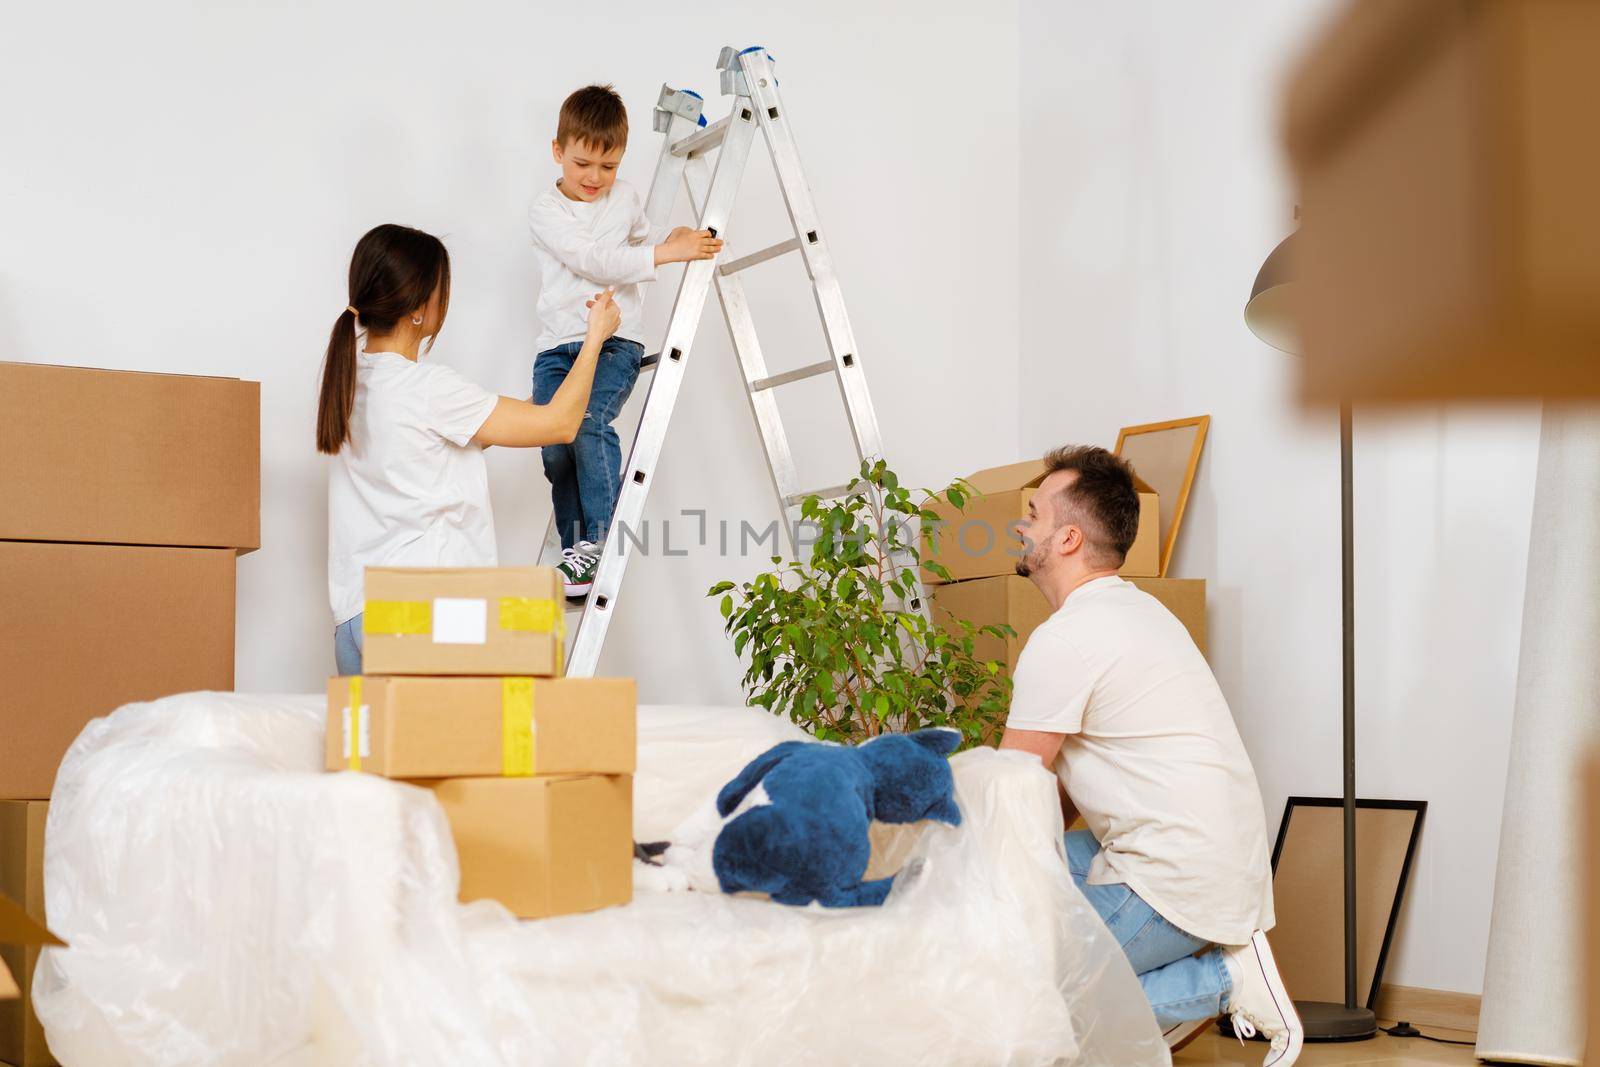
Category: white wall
[182,185]
[1152,190]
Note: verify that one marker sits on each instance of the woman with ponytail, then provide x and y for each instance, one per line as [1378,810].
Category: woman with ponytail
[408,485]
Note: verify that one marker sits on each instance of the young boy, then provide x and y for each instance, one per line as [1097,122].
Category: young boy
[589,231]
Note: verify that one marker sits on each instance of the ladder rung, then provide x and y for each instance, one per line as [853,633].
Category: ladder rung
[737,265]
[794,500]
[704,140]
[649,362]
[786,377]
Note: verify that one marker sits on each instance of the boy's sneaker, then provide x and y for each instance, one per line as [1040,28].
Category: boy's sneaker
[577,567]
[1185,1032]
[1260,1004]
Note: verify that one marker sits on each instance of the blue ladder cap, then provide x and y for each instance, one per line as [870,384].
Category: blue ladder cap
[759,48]
[697,96]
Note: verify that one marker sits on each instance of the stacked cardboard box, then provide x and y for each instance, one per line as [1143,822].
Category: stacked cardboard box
[22,1041]
[463,696]
[126,499]
[976,540]
[977,547]
[1018,603]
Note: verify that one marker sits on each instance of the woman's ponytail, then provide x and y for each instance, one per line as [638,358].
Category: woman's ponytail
[395,270]
[338,385]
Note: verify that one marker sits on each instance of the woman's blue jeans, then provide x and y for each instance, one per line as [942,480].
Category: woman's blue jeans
[347,644]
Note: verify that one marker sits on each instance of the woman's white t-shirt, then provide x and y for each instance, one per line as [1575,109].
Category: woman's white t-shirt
[409,489]
[1152,759]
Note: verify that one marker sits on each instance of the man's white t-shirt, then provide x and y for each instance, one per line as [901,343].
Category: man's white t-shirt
[1152,759]
[409,489]
[583,247]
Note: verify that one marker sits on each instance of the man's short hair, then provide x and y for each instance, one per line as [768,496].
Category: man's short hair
[1101,500]
[595,116]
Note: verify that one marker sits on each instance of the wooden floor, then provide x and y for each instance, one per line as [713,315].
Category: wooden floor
[1382,1051]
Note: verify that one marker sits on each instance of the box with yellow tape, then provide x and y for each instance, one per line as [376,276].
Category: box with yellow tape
[550,845]
[424,727]
[464,620]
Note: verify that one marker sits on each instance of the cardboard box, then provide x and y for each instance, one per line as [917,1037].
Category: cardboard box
[978,542]
[120,457]
[414,727]
[1446,178]
[464,620]
[1005,599]
[1017,602]
[22,822]
[87,628]
[542,846]
[1185,598]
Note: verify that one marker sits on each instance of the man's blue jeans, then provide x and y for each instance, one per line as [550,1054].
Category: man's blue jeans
[586,475]
[1179,985]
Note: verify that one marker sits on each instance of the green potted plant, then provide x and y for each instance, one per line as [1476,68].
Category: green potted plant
[830,641]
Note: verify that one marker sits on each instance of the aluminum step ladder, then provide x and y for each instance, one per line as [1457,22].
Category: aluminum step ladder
[709,160]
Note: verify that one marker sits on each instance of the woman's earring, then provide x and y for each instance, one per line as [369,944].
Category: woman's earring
[416,320]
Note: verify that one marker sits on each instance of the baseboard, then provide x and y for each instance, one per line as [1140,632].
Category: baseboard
[1429,1007]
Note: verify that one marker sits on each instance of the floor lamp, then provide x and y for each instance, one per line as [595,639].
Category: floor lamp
[1269,316]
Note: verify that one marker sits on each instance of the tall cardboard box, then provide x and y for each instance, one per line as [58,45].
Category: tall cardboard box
[22,1041]
[1447,169]
[122,457]
[1591,860]
[550,845]
[1018,603]
[977,541]
[424,727]
[464,620]
[86,628]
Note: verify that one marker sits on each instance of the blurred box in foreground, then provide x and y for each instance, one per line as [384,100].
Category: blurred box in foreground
[1447,166]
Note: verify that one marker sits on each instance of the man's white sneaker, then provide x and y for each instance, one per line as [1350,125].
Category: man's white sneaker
[1260,1004]
[1180,1035]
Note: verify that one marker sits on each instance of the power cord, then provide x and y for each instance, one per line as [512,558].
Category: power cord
[1405,1029]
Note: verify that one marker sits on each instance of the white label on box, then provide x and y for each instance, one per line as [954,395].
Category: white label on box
[460,621]
[366,731]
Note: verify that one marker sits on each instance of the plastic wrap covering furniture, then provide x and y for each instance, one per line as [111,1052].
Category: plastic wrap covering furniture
[228,904]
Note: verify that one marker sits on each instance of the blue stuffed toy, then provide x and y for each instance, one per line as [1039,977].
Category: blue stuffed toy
[800,813]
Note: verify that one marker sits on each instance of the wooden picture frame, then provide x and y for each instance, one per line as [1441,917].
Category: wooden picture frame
[1308,891]
[1166,455]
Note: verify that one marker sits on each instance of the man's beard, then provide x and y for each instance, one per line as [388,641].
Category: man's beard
[1032,560]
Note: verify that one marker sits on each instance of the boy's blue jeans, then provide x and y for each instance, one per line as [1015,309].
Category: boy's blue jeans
[1179,985]
[586,475]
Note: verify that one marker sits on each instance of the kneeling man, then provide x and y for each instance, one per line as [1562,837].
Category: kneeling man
[1114,697]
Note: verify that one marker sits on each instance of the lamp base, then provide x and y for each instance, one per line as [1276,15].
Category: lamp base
[1327,1022]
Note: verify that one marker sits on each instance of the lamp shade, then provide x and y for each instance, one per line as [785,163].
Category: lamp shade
[1268,313]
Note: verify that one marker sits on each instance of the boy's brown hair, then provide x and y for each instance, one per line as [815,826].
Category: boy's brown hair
[595,116]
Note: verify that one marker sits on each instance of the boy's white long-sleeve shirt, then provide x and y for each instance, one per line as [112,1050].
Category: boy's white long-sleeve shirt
[584,247]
